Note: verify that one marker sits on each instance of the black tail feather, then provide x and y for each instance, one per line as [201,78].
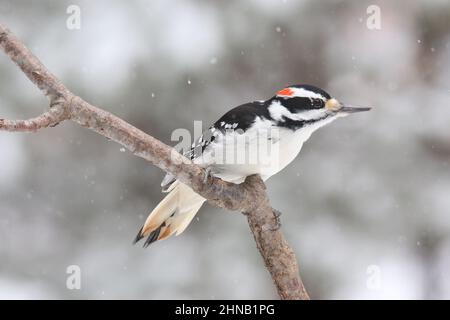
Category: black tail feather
[153,236]
[139,236]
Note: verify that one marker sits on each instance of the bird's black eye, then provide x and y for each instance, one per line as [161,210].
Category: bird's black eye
[317,103]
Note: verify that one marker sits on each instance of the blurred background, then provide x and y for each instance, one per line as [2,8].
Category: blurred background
[366,206]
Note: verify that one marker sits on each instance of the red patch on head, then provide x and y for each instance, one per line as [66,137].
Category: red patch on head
[287,92]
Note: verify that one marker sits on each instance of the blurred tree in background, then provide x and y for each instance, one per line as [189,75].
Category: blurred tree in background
[368,196]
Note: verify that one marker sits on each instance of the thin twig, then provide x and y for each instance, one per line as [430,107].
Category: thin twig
[51,118]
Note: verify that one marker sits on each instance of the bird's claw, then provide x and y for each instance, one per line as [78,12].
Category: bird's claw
[207,174]
[276,217]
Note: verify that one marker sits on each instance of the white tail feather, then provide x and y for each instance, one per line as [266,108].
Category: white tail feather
[173,214]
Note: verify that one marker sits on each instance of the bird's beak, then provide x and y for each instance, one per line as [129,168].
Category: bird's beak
[346,108]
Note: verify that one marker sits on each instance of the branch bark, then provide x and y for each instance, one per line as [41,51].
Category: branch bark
[249,197]
[50,118]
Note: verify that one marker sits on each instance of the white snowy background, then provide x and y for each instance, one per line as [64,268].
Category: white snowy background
[368,196]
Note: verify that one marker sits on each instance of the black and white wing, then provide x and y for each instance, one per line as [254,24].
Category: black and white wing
[195,151]
[240,119]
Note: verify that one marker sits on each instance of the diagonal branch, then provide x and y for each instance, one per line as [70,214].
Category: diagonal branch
[249,197]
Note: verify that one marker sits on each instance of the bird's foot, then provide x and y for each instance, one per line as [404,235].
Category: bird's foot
[207,175]
[276,217]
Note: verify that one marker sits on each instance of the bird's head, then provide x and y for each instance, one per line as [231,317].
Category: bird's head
[297,106]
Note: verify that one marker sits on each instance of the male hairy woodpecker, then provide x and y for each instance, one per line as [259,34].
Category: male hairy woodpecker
[260,137]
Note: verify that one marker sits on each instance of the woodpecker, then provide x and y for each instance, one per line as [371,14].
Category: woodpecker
[260,137]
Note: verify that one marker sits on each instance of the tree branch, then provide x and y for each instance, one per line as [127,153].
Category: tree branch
[51,118]
[249,197]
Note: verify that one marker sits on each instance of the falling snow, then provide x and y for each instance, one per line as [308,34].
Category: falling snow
[375,175]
